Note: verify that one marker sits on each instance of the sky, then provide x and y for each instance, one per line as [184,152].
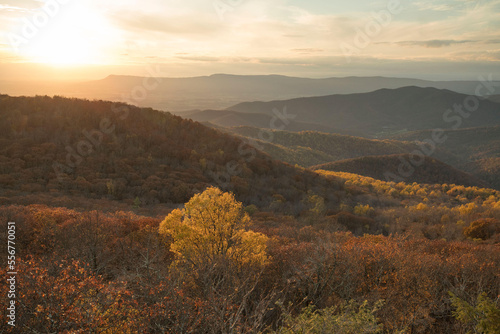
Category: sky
[90,39]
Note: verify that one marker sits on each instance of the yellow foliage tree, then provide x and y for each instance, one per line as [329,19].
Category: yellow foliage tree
[364,210]
[212,228]
[467,209]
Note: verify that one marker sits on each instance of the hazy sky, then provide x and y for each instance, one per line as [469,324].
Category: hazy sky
[441,39]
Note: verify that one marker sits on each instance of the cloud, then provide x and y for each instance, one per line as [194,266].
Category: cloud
[201,25]
[275,36]
[8,8]
[432,6]
[199,58]
[435,43]
[23,4]
[308,50]
[478,56]
[448,5]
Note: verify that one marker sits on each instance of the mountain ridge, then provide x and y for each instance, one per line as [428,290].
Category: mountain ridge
[384,111]
[219,91]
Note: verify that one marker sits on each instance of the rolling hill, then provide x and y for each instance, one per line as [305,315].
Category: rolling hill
[474,150]
[389,167]
[319,236]
[476,143]
[309,148]
[104,150]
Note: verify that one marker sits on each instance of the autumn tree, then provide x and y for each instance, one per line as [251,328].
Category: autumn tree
[352,318]
[482,228]
[222,257]
[484,316]
[212,227]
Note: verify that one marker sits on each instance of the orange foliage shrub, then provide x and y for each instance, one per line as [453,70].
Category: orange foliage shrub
[482,228]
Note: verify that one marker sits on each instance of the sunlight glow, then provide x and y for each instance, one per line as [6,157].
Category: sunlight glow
[74,38]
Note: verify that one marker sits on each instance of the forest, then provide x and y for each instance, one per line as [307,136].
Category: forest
[132,220]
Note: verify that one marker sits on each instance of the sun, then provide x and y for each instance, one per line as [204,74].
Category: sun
[76,36]
[60,48]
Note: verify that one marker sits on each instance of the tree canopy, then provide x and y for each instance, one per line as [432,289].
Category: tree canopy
[212,227]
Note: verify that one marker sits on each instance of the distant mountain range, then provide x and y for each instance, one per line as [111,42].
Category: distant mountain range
[407,116]
[229,118]
[383,112]
[220,91]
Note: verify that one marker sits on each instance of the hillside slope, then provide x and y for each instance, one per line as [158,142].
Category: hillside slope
[103,150]
[309,148]
[229,118]
[398,168]
[480,142]
[474,150]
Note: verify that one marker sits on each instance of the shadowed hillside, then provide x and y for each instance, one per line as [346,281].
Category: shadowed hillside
[474,150]
[228,118]
[474,142]
[398,168]
[309,148]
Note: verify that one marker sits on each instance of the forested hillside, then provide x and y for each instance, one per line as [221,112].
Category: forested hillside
[309,148]
[474,150]
[250,167]
[102,150]
[399,167]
